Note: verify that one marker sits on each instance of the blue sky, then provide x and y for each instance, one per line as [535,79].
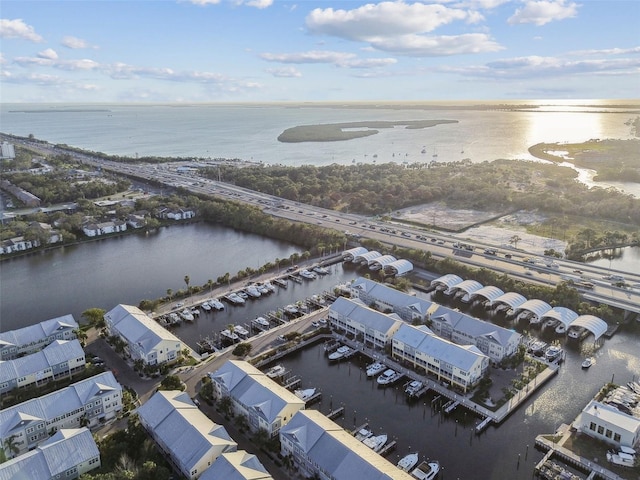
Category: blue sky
[313,50]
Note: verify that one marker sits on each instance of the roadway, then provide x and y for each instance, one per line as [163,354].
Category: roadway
[539,270]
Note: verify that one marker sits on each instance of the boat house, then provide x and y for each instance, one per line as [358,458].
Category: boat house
[265,403]
[189,440]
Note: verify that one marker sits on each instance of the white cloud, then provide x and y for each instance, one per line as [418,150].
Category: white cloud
[259,3]
[544,11]
[75,43]
[18,29]
[385,19]
[49,53]
[285,72]
[432,46]
[339,59]
[609,51]
[205,2]
[249,3]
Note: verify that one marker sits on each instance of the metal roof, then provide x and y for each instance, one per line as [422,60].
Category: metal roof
[353,253]
[513,299]
[399,267]
[469,286]
[595,325]
[489,292]
[450,279]
[238,465]
[564,315]
[36,333]
[539,307]
[383,260]
[366,316]
[367,257]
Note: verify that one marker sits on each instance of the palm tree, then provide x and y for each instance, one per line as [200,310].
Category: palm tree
[169,293]
[232,328]
[210,284]
[11,446]
[81,335]
[187,279]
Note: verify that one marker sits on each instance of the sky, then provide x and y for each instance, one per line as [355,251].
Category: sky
[197,51]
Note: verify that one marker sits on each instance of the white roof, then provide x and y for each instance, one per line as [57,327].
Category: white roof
[539,307]
[612,415]
[489,292]
[53,354]
[354,252]
[367,256]
[355,311]
[383,260]
[63,451]
[253,389]
[138,328]
[563,314]
[391,296]
[238,465]
[48,407]
[513,299]
[180,427]
[595,325]
[36,333]
[450,279]
[463,357]
[337,452]
[469,286]
[399,267]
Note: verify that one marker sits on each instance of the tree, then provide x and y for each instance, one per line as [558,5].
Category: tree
[171,382]
[81,335]
[95,317]
[169,293]
[514,241]
[10,446]
[187,280]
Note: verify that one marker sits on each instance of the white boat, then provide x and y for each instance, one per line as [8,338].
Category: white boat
[229,335]
[235,298]
[376,442]
[269,286]
[263,289]
[413,387]
[262,322]
[174,318]
[553,353]
[242,294]
[587,362]
[363,433]
[388,377]
[253,291]
[426,470]
[621,459]
[305,394]
[206,307]
[187,315]
[309,275]
[216,304]
[561,329]
[321,270]
[291,310]
[375,369]
[241,331]
[340,353]
[409,461]
[627,450]
[276,371]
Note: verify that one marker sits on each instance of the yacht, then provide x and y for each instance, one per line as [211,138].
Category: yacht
[235,299]
[309,275]
[305,394]
[376,442]
[216,304]
[321,270]
[427,470]
[174,319]
[291,310]
[409,461]
[553,353]
[363,433]
[241,331]
[206,307]
[253,291]
[375,369]
[187,315]
[229,335]
[340,353]
[388,377]
[262,322]
[413,387]
[276,371]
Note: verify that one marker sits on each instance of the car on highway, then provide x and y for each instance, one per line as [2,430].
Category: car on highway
[579,272]
[282,338]
[315,324]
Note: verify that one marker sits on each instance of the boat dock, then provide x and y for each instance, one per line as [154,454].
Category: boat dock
[483,425]
[280,282]
[450,406]
[316,397]
[292,383]
[388,448]
[338,412]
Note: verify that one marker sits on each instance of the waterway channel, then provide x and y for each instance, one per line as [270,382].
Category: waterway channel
[128,269]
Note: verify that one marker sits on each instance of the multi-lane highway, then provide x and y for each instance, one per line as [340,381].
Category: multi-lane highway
[597,284]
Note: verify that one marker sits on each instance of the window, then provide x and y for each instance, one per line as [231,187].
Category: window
[600,429]
[592,426]
[616,437]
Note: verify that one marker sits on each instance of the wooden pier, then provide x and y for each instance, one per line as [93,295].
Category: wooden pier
[483,425]
[338,412]
[388,448]
[451,406]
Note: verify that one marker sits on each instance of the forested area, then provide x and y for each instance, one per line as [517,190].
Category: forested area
[380,189]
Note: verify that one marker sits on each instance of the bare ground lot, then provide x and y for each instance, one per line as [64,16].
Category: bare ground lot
[494,228]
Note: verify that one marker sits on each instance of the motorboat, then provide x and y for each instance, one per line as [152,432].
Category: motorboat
[388,377]
[340,353]
[409,461]
[537,347]
[242,294]
[376,442]
[375,369]
[174,319]
[281,282]
[235,298]
[291,310]
[187,315]
[241,331]
[253,291]
[413,387]
[622,459]
[262,322]
[195,311]
[206,307]
[309,275]
[276,371]
[363,433]
[216,304]
[553,353]
[561,329]
[587,362]
[321,270]
[305,394]
[426,470]
[229,335]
